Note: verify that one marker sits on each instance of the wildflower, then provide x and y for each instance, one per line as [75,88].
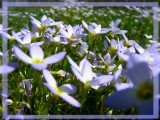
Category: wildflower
[93,28]
[73,33]
[84,73]
[41,25]
[140,95]
[37,60]
[13,37]
[8,67]
[63,91]
[114,29]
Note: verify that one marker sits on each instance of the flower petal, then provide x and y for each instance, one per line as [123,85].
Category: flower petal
[9,67]
[54,58]
[5,35]
[27,39]
[21,55]
[36,52]
[122,86]
[104,79]
[123,56]
[85,25]
[139,73]
[69,88]
[50,88]
[122,99]
[49,78]
[98,28]
[77,74]
[70,100]
[87,71]
[39,66]
[73,64]
[70,30]
[64,33]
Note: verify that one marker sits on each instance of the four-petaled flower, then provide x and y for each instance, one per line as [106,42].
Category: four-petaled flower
[63,91]
[140,95]
[37,60]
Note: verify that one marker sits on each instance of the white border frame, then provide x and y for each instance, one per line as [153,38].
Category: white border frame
[6,5]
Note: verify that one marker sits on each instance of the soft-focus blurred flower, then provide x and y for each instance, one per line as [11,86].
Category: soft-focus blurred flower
[8,67]
[63,91]
[13,37]
[140,95]
[114,29]
[37,60]
[26,84]
[41,25]
[3,29]
[8,102]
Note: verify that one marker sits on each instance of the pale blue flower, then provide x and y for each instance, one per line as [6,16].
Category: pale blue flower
[8,67]
[14,35]
[85,74]
[72,34]
[140,95]
[37,60]
[63,91]
[93,28]
[114,27]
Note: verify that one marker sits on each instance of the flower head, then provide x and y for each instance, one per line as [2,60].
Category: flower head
[140,95]
[37,60]
[63,91]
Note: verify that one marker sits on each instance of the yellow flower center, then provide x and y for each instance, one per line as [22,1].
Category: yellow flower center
[37,61]
[145,91]
[127,44]
[58,90]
